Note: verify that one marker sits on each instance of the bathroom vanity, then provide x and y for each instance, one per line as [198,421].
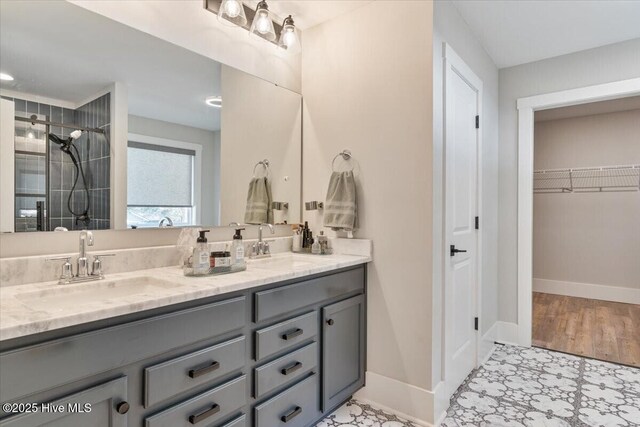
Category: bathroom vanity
[284,353]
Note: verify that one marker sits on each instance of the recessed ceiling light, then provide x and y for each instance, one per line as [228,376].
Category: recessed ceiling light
[6,77]
[214,101]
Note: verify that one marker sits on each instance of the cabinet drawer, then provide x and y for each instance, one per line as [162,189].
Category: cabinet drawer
[62,361]
[278,301]
[285,369]
[285,334]
[241,421]
[205,408]
[295,407]
[177,375]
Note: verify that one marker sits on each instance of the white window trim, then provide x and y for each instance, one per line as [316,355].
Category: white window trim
[526,109]
[197,167]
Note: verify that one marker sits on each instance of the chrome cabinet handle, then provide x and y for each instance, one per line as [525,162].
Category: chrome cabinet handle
[196,418]
[292,334]
[291,369]
[291,415]
[198,372]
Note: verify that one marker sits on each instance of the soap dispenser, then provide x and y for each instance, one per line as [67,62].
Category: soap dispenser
[237,250]
[201,254]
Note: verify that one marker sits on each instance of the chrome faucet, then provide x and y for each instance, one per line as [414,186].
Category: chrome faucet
[82,263]
[261,249]
[166,219]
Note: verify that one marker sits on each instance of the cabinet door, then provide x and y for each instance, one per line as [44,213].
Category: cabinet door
[343,350]
[107,403]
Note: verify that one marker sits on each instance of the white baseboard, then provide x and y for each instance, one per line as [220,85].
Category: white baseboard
[587,290]
[507,332]
[487,343]
[407,401]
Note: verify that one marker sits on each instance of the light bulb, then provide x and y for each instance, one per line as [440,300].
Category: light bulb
[263,23]
[231,13]
[289,40]
[289,37]
[232,8]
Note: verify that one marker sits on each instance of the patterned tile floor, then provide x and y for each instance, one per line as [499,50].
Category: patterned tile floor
[527,387]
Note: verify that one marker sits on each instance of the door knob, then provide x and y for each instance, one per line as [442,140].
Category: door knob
[330,322]
[454,251]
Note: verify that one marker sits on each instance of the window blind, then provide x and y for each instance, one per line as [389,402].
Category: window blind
[159,176]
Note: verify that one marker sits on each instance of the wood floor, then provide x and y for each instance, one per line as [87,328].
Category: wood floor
[599,329]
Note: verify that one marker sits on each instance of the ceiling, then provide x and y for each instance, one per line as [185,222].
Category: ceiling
[309,13]
[520,31]
[590,109]
[58,50]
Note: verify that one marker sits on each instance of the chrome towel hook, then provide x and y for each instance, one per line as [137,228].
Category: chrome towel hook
[345,154]
[265,164]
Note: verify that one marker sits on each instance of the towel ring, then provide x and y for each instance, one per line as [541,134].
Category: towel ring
[265,164]
[346,155]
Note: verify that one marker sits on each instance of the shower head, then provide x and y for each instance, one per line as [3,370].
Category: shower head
[76,134]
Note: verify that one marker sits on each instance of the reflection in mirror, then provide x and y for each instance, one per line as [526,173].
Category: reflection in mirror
[117,129]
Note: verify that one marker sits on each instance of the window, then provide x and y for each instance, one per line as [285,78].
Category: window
[160,183]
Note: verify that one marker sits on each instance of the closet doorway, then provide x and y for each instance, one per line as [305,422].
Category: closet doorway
[586,231]
[579,275]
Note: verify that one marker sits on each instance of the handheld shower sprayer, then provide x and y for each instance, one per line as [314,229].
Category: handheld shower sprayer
[67,146]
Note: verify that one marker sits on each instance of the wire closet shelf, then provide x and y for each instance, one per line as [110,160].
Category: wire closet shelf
[587,180]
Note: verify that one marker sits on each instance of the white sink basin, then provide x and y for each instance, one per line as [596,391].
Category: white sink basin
[107,292]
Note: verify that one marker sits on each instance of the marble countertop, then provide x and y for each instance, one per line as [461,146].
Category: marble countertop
[39,307]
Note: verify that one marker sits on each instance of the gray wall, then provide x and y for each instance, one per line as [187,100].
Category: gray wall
[591,238]
[210,142]
[369,91]
[590,67]
[451,28]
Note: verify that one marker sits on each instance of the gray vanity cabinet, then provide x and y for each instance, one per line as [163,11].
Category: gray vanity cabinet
[104,405]
[343,350]
[279,355]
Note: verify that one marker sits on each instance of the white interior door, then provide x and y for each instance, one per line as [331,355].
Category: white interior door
[462,139]
[7,166]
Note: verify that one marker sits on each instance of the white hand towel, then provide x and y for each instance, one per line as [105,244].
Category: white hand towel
[340,207]
[259,202]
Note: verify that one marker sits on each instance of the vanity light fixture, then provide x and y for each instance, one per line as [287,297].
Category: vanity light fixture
[289,39]
[262,25]
[6,77]
[258,22]
[232,12]
[214,101]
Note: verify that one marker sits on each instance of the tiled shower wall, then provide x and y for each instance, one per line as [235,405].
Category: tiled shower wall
[94,153]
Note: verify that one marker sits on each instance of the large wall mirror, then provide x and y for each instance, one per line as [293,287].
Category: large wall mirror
[106,127]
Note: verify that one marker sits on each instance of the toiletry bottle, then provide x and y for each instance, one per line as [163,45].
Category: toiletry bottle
[201,254]
[237,249]
[305,235]
[315,248]
[297,240]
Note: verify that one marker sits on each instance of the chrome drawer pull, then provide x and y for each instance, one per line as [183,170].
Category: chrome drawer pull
[291,415]
[290,335]
[291,369]
[193,419]
[195,373]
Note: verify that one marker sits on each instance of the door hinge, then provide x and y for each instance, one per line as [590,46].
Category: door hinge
[477,122]
[475,323]
[477,223]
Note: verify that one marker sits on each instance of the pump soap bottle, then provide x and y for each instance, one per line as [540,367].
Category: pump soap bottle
[201,254]
[237,251]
